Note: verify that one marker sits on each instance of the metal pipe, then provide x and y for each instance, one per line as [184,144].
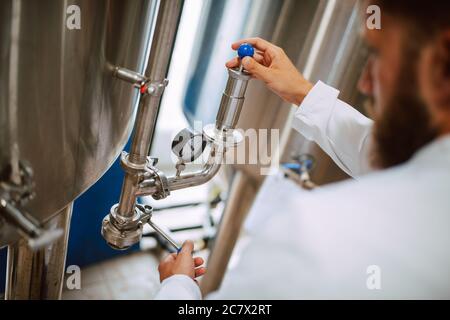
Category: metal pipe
[37,237]
[232,100]
[16,218]
[129,75]
[221,135]
[13,93]
[158,65]
[200,177]
[194,179]
[39,274]
[148,187]
[128,195]
[165,235]
[168,17]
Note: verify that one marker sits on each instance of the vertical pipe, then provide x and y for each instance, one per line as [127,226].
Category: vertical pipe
[38,274]
[242,194]
[13,92]
[168,17]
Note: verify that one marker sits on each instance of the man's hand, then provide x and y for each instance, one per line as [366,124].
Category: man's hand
[271,65]
[181,263]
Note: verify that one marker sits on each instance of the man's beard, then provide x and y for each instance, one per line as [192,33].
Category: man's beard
[404,125]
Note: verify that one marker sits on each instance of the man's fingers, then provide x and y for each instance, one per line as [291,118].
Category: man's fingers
[200,271]
[187,248]
[233,63]
[236,62]
[261,45]
[259,58]
[258,43]
[198,261]
[257,70]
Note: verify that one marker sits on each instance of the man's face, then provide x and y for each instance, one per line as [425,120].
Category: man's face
[402,123]
[380,77]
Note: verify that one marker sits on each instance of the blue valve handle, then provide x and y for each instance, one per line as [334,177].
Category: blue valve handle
[246,50]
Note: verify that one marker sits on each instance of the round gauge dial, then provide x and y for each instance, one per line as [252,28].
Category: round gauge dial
[188,145]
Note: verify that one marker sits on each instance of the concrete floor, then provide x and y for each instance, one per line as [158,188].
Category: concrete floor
[133,276]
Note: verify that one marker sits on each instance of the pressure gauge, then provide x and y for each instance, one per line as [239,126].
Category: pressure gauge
[188,145]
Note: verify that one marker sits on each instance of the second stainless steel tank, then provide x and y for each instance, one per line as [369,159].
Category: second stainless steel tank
[60,106]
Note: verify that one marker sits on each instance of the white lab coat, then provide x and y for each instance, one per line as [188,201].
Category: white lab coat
[383,236]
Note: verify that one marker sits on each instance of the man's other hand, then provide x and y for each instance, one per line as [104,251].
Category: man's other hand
[181,263]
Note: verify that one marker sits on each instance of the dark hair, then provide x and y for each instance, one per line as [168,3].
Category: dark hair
[426,18]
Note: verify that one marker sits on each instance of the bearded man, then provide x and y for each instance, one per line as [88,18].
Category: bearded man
[385,234]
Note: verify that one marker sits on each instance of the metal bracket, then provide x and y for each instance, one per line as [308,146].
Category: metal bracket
[162,181]
[154,88]
[224,139]
[131,167]
[147,171]
[13,198]
[304,165]
[145,85]
[130,76]
[121,234]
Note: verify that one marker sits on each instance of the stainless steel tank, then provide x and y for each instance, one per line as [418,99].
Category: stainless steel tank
[334,53]
[63,117]
[284,22]
[72,118]
[321,38]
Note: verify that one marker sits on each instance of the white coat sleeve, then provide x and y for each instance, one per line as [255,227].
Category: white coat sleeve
[179,287]
[339,129]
